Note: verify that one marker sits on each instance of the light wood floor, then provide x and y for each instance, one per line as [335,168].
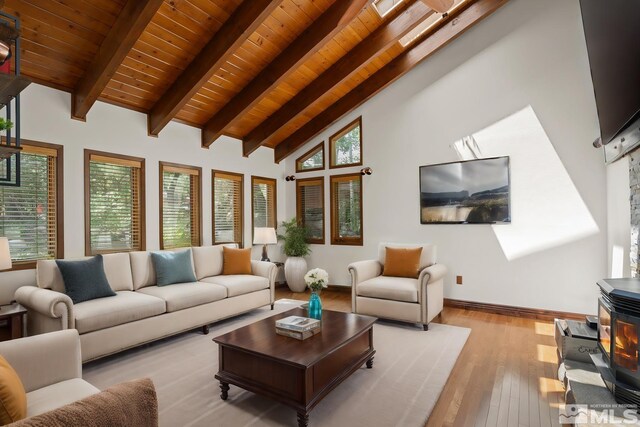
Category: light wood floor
[505,376]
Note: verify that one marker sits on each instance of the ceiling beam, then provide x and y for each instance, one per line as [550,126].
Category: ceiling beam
[236,29]
[133,19]
[454,26]
[331,22]
[377,42]
[440,6]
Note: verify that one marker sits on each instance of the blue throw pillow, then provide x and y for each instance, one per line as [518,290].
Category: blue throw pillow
[173,267]
[85,280]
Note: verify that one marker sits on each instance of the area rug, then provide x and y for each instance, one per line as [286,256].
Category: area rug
[410,370]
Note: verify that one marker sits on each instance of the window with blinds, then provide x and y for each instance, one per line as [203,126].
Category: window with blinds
[345,146]
[263,202]
[31,215]
[310,207]
[227,207]
[114,203]
[346,209]
[180,206]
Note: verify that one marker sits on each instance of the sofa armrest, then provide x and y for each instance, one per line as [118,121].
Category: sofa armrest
[49,304]
[433,273]
[45,359]
[364,270]
[267,270]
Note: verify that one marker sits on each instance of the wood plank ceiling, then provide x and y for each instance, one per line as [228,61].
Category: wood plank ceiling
[271,73]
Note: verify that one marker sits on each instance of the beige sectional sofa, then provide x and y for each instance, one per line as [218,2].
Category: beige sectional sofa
[141,311]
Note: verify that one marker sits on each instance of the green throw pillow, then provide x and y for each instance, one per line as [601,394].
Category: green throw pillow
[173,267]
[85,280]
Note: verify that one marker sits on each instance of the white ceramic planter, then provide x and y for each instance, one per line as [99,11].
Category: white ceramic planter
[294,270]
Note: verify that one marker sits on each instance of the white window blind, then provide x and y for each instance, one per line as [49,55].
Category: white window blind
[227,207]
[310,207]
[28,214]
[264,202]
[115,203]
[346,207]
[180,207]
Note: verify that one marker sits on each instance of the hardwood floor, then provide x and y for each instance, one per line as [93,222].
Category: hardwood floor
[505,376]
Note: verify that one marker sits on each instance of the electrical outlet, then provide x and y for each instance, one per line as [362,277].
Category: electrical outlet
[459,280]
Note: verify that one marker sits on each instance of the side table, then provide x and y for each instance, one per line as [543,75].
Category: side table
[13,316]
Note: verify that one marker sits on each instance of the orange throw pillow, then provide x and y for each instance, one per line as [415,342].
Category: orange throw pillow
[236,261]
[402,262]
[13,398]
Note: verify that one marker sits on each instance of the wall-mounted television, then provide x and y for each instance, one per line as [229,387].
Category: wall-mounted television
[466,192]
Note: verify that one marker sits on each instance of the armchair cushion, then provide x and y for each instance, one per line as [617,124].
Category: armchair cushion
[55,395]
[427,257]
[402,262]
[390,288]
[13,397]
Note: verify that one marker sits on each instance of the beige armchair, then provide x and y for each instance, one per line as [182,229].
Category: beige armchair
[399,298]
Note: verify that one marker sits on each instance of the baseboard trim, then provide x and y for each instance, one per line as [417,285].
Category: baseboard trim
[509,310]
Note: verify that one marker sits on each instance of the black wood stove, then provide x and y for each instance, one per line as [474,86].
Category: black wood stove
[618,327]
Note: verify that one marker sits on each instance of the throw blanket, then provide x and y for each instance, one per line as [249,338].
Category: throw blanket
[130,404]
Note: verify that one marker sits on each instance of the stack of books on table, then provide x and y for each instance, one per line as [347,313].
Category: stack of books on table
[298,327]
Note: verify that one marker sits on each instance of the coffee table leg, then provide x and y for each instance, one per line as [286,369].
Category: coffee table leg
[303,419]
[224,390]
[370,363]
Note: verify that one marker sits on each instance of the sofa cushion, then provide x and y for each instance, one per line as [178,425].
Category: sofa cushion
[56,395]
[142,269]
[239,284]
[125,307]
[173,267]
[392,288]
[427,258]
[402,262]
[207,260]
[185,295]
[85,279]
[13,398]
[236,261]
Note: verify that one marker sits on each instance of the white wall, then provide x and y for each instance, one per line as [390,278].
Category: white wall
[46,117]
[530,52]
[618,219]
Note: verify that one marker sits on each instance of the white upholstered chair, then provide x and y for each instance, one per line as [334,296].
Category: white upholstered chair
[398,298]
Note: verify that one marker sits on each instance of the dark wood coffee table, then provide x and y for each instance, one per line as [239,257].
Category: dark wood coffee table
[296,373]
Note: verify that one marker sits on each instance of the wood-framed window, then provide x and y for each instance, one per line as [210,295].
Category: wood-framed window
[263,202]
[227,207]
[31,215]
[180,205]
[312,160]
[346,209]
[345,146]
[114,200]
[310,207]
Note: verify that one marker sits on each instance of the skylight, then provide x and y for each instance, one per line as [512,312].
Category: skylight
[428,24]
[384,7]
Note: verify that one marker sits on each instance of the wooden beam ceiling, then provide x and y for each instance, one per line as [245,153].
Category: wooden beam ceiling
[317,34]
[405,20]
[454,26]
[131,22]
[244,21]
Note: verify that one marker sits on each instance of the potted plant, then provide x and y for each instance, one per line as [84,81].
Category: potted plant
[295,248]
[5,124]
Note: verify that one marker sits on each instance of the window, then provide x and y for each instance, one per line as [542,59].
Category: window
[263,202]
[346,209]
[180,206]
[227,207]
[346,146]
[385,7]
[310,207]
[312,160]
[114,203]
[31,215]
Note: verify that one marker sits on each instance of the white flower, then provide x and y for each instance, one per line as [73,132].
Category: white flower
[316,279]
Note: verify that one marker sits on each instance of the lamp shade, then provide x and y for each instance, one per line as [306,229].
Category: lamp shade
[5,255]
[264,236]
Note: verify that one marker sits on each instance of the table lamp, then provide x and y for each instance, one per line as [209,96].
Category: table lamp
[264,236]
[5,255]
